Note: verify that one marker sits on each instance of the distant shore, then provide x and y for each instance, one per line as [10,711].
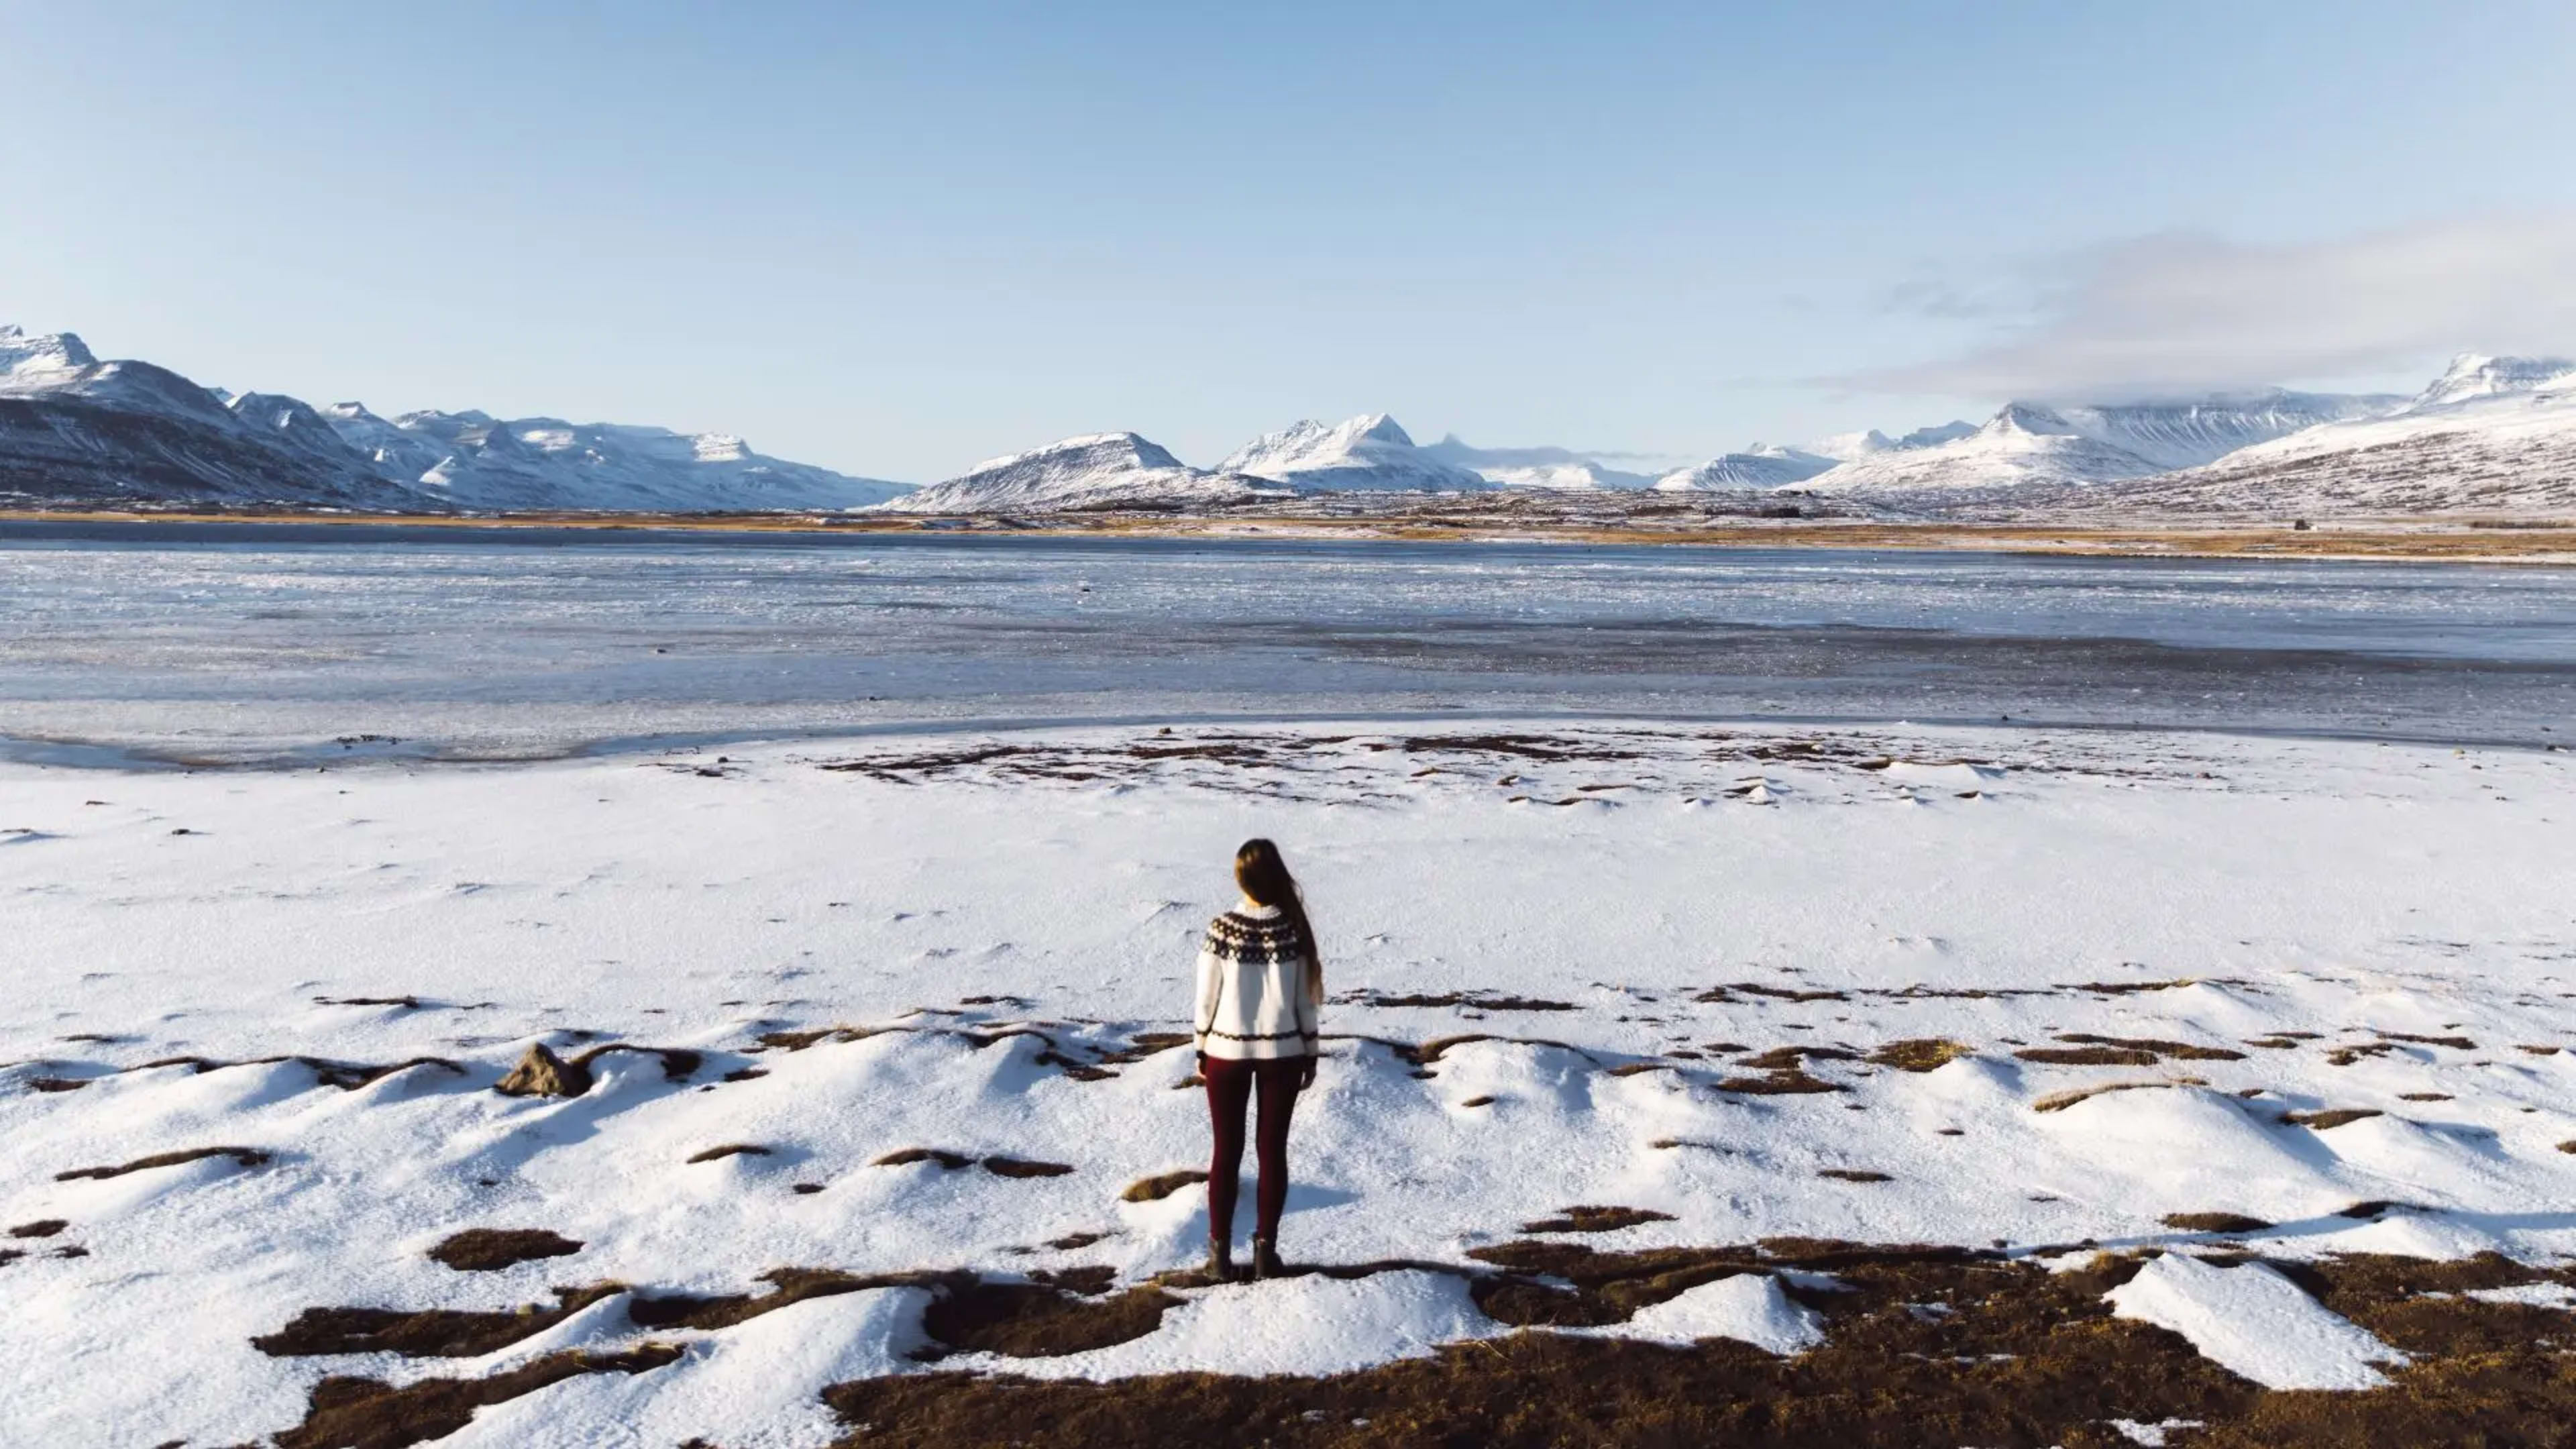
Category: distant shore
[2546,541]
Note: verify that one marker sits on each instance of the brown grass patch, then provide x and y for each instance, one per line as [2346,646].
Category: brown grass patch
[2025,1358]
[1853,1174]
[2538,1050]
[2335,1117]
[1022,1167]
[1634,1069]
[1918,1054]
[2456,1043]
[486,1250]
[2095,1056]
[1793,1082]
[1590,1219]
[1035,1320]
[2187,1051]
[1161,1185]
[423,1333]
[2214,1223]
[241,1156]
[1780,993]
[1470,999]
[1477,1102]
[41,1228]
[730,1149]
[56,1084]
[2128,988]
[2060,1101]
[904,1157]
[1787,1058]
[354,1413]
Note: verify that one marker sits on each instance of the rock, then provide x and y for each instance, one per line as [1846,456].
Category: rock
[543,1074]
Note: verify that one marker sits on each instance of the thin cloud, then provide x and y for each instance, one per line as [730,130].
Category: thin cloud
[2187,312]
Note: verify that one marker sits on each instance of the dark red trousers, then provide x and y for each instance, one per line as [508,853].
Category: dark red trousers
[1230,1088]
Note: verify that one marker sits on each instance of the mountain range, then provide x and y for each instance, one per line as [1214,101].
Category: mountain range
[75,429]
[2492,433]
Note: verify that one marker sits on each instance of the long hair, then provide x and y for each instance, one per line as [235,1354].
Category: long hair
[1265,880]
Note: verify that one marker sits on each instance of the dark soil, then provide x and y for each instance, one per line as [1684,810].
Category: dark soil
[241,1156]
[41,1228]
[730,1149]
[1853,1174]
[56,1084]
[486,1250]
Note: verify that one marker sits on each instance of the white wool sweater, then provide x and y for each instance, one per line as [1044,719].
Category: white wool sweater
[1254,1003]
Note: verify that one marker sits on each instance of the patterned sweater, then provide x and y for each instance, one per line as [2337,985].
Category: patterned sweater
[1253,1001]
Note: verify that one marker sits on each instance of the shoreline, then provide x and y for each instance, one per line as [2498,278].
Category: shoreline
[2535,542]
[109,757]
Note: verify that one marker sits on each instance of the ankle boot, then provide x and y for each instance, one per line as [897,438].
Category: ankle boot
[1265,1260]
[1220,1262]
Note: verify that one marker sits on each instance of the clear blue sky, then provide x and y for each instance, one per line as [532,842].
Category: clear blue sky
[895,239]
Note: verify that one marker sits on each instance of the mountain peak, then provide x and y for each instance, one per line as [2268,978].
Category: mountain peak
[21,354]
[2476,374]
[1371,451]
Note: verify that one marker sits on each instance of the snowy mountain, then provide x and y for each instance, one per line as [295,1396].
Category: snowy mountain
[473,460]
[1097,470]
[2027,444]
[2492,435]
[1760,466]
[1534,467]
[1844,447]
[1364,453]
[73,428]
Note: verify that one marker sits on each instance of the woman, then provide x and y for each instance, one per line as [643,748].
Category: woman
[1261,984]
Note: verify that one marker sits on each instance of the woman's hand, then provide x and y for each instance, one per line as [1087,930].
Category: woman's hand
[1306,1075]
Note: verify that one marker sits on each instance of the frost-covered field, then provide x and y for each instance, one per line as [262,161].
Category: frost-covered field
[1643,1036]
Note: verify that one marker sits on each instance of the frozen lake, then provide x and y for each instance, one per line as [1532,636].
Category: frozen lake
[239,641]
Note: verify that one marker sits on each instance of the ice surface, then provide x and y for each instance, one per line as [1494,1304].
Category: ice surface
[210,642]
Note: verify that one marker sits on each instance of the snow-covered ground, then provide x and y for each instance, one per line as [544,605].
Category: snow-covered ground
[2326,989]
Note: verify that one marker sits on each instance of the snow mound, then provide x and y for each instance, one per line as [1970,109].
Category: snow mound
[1749,1308]
[1308,1326]
[1367,453]
[2254,1323]
[1095,470]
